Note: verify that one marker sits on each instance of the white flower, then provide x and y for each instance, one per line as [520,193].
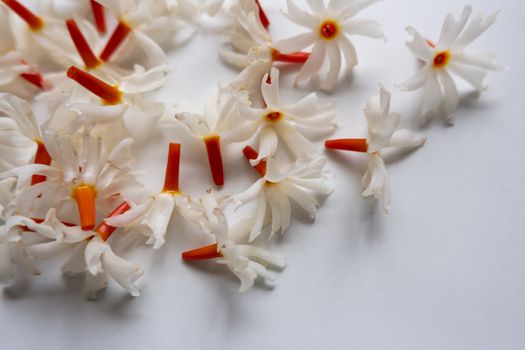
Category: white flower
[221,114]
[80,174]
[251,47]
[288,123]
[329,27]
[153,216]
[16,76]
[21,139]
[383,133]
[63,10]
[246,261]
[450,56]
[91,253]
[300,182]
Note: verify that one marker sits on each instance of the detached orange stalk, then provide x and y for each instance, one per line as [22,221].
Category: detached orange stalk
[110,95]
[85,196]
[354,145]
[83,48]
[98,14]
[213,147]
[262,15]
[117,38]
[171,180]
[204,253]
[250,154]
[103,229]
[33,21]
[296,57]
[41,157]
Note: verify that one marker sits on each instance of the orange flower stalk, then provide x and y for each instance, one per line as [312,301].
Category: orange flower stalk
[98,14]
[117,38]
[296,57]
[171,180]
[110,95]
[213,147]
[103,229]
[83,48]
[34,78]
[203,253]
[262,16]
[354,145]
[250,154]
[33,21]
[85,196]
[41,157]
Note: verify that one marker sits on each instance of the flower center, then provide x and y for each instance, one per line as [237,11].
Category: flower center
[329,30]
[441,59]
[273,117]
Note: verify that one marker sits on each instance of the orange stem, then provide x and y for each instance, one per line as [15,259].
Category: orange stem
[111,95]
[98,14]
[354,145]
[204,253]
[117,38]
[250,154]
[41,157]
[83,48]
[262,15]
[33,21]
[103,229]
[85,196]
[34,78]
[213,147]
[171,180]
[296,57]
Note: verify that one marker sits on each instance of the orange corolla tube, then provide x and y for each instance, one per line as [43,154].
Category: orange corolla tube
[120,33]
[103,229]
[41,157]
[85,196]
[171,179]
[213,147]
[33,21]
[83,48]
[354,145]
[203,253]
[34,78]
[250,154]
[262,15]
[110,95]
[98,15]
[295,57]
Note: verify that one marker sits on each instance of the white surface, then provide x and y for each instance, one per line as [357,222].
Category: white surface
[445,270]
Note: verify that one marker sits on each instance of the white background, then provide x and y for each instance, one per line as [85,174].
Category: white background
[445,270]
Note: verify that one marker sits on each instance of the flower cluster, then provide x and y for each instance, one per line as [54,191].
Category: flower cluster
[68,182]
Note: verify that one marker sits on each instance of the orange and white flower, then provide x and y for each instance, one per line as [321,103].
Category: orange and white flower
[287,123]
[383,133]
[448,57]
[152,217]
[246,261]
[330,27]
[301,182]
[91,253]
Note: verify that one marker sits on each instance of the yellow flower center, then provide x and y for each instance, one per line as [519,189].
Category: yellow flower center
[329,30]
[441,59]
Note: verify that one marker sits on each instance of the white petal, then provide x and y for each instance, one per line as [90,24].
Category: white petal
[473,75]
[477,26]
[305,200]
[270,90]
[314,63]
[260,216]
[450,94]
[249,194]
[363,27]
[301,17]
[295,43]
[432,95]
[156,220]
[93,255]
[334,54]
[349,52]
[406,138]
[417,81]
[124,272]
[452,29]
[268,142]
[377,182]
[263,255]
[296,142]
[419,46]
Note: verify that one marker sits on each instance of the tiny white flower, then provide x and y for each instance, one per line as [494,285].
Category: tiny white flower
[450,56]
[221,114]
[300,182]
[383,132]
[83,174]
[329,25]
[246,261]
[287,123]
[153,216]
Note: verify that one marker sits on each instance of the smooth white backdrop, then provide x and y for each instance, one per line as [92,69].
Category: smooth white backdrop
[445,270]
